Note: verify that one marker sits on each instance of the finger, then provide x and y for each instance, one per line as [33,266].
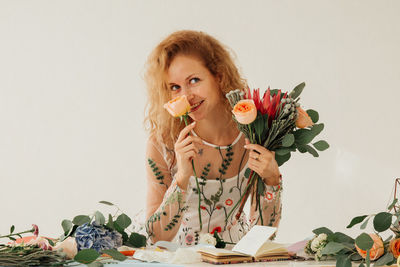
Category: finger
[190,155]
[189,148]
[247,141]
[190,140]
[254,155]
[258,148]
[185,131]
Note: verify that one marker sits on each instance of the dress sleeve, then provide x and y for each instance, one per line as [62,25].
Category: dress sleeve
[165,199]
[270,204]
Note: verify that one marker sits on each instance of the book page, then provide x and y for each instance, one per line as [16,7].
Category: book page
[254,239]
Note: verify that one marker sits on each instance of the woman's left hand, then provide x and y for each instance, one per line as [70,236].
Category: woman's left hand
[263,162]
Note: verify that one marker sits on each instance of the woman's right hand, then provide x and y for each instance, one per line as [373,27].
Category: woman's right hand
[186,149]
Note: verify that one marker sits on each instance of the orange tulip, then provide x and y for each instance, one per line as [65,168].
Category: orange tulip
[178,106]
[394,247]
[377,249]
[245,111]
[303,119]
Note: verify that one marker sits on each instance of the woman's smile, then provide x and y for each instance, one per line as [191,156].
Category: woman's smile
[196,106]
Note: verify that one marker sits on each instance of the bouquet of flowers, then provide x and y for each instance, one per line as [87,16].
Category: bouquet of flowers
[366,247]
[277,122]
[84,240]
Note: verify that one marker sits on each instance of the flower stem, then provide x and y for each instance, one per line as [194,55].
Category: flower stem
[197,181]
[20,233]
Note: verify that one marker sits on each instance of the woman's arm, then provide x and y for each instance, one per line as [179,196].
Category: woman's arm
[165,199]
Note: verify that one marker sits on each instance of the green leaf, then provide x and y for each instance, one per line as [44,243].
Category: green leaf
[364,241]
[86,256]
[301,148]
[67,226]
[247,173]
[382,221]
[260,186]
[259,125]
[282,159]
[99,218]
[332,248]
[123,221]
[81,219]
[303,136]
[110,223]
[342,238]
[106,203]
[12,229]
[361,265]
[288,140]
[322,230]
[312,151]
[317,129]
[136,240]
[313,115]
[391,206]
[12,238]
[343,261]
[356,257]
[50,242]
[321,145]
[364,224]
[384,260]
[115,254]
[295,93]
[356,220]
[282,151]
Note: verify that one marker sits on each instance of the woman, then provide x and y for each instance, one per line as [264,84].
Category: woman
[195,65]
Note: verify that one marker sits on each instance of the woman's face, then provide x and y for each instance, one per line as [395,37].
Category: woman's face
[188,76]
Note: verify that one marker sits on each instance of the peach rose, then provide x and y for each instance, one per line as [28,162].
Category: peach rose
[377,249]
[394,247]
[178,106]
[245,111]
[303,119]
[68,246]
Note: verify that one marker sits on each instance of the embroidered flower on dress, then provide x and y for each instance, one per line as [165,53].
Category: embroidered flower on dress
[189,239]
[269,196]
[202,207]
[228,202]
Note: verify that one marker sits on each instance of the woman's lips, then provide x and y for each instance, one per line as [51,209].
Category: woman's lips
[196,106]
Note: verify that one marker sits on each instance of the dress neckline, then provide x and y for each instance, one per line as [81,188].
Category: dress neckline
[221,147]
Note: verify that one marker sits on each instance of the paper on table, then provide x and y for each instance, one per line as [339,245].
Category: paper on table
[254,239]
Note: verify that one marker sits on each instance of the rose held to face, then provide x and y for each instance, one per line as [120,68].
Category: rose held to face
[245,111]
[178,106]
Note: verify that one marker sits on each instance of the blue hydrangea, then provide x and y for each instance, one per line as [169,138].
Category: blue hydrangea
[97,237]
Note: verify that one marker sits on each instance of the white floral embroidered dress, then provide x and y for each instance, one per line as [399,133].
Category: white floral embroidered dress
[172,213]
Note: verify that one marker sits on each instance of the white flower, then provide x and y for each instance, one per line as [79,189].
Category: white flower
[319,242]
[207,239]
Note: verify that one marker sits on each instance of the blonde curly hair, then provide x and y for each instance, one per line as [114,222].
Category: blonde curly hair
[215,57]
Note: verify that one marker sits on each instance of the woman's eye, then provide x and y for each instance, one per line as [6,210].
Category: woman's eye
[175,87]
[194,80]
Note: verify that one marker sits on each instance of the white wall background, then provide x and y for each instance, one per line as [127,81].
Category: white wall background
[72,101]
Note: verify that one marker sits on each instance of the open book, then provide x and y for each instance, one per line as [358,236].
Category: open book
[254,246]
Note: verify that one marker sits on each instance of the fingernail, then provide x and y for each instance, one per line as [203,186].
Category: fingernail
[193,123]
[245,146]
